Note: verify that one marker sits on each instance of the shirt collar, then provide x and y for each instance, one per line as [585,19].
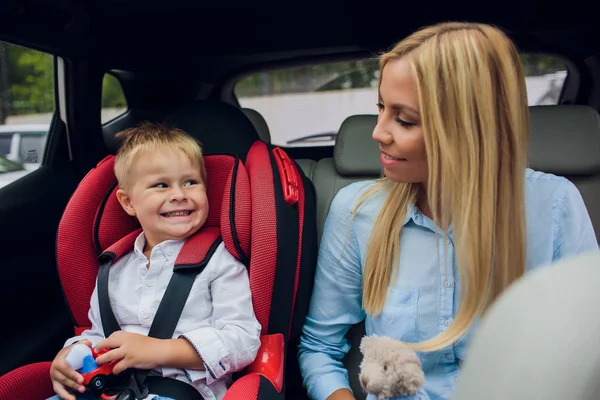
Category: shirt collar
[169,249]
[417,217]
[411,214]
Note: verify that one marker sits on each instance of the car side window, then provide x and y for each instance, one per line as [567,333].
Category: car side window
[114,103]
[305,105]
[26,108]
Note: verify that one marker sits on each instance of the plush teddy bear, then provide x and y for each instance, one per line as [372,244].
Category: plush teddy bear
[389,368]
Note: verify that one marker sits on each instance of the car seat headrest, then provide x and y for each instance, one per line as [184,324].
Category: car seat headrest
[94,211]
[355,152]
[112,222]
[220,127]
[565,139]
[259,124]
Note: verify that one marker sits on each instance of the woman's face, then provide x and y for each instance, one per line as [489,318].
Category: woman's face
[399,131]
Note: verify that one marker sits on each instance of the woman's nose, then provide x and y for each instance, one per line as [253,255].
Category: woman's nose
[381,135]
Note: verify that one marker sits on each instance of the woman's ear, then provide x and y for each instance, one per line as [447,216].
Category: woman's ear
[125,202]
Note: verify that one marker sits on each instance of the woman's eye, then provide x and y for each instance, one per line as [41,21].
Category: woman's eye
[385,367]
[404,123]
[380,107]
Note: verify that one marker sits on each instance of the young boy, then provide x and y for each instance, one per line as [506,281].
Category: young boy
[162,178]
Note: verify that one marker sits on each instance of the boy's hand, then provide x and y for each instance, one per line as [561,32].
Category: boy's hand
[133,350]
[63,376]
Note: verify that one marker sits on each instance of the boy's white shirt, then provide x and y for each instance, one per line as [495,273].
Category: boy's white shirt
[218,318]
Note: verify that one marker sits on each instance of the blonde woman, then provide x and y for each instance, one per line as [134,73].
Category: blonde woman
[421,253]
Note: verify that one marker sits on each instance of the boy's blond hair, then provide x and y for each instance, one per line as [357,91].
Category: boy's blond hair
[151,136]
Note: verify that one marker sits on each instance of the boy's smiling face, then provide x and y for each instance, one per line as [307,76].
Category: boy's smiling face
[167,195]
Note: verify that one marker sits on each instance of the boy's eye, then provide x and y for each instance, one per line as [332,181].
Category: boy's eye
[161,185]
[190,182]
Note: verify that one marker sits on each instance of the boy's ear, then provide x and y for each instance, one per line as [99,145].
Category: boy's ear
[125,202]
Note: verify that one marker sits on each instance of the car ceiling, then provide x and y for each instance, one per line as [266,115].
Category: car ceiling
[168,35]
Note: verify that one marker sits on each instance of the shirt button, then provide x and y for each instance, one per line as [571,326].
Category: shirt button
[456,379]
[449,356]
[447,322]
[149,283]
[145,315]
[448,284]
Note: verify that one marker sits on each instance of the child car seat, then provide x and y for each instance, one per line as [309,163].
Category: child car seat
[262,208]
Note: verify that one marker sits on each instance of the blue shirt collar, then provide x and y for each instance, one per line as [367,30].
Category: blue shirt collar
[417,217]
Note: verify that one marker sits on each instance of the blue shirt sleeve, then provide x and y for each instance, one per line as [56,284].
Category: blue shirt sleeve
[420,395]
[336,304]
[572,226]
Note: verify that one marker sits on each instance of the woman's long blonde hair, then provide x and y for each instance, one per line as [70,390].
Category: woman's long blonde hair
[475,119]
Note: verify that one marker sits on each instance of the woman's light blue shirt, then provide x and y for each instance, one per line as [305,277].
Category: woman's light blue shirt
[422,302]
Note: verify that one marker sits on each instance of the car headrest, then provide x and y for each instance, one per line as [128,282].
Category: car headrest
[259,124]
[220,127]
[565,139]
[94,221]
[355,152]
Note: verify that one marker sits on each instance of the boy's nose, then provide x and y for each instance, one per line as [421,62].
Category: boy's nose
[177,194]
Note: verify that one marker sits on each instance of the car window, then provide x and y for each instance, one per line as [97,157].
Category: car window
[7,165]
[114,103]
[305,105]
[26,106]
[5,142]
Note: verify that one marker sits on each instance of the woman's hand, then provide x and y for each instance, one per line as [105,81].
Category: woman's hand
[341,394]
